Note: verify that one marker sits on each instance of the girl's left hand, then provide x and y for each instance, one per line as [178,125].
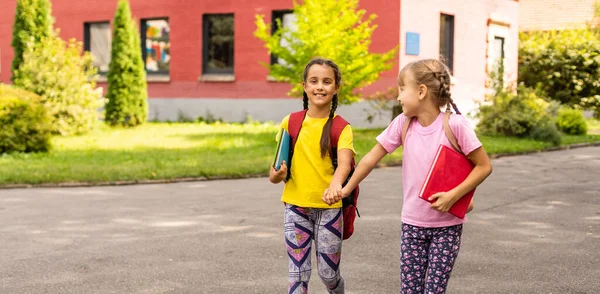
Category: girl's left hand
[444,201]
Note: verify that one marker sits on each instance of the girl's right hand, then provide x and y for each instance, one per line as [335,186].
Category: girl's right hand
[276,176]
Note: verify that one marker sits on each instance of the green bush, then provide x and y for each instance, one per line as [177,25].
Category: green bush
[571,121]
[127,94]
[521,114]
[25,122]
[66,81]
[563,65]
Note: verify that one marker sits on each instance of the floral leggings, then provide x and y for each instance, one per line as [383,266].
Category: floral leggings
[427,256]
[324,227]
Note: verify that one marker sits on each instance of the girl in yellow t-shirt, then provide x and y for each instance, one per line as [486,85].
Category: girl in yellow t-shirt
[307,217]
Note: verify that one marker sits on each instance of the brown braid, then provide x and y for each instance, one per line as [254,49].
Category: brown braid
[305,100]
[325,142]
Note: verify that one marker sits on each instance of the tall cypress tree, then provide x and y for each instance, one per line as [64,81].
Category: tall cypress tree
[33,21]
[127,94]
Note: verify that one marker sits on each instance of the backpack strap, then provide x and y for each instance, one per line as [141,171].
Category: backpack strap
[294,126]
[450,134]
[447,130]
[407,122]
[337,127]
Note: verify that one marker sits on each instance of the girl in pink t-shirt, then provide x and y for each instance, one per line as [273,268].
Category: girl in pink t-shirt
[430,235]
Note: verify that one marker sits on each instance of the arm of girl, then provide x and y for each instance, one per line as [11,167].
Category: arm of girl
[276,176]
[341,172]
[482,169]
[365,166]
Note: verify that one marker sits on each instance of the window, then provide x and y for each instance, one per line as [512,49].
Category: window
[217,39]
[497,52]
[157,45]
[97,38]
[287,19]
[447,40]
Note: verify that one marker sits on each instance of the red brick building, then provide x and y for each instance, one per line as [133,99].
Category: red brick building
[555,14]
[202,58]
[179,61]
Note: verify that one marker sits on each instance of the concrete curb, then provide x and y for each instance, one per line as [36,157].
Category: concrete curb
[195,179]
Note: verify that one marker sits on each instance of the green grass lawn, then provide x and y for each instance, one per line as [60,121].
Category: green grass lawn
[594,126]
[171,151]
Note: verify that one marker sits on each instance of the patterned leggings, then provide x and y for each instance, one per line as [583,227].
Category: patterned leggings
[431,250]
[324,226]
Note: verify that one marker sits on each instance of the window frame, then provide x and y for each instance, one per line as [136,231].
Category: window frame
[277,14]
[143,39]
[87,39]
[502,47]
[205,46]
[448,33]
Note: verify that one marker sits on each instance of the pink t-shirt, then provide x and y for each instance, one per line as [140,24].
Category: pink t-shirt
[419,151]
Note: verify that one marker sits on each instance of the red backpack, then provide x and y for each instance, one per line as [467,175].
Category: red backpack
[349,204]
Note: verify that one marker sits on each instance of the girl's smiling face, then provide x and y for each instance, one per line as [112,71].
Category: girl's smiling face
[320,85]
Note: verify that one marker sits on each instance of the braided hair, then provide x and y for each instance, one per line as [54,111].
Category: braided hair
[435,75]
[325,141]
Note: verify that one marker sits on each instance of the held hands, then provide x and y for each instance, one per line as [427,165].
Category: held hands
[334,193]
[277,176]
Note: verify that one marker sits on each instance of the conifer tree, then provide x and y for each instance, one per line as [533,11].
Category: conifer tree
[33,21]
[127,93]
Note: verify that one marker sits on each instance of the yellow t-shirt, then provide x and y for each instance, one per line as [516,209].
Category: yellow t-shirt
[311,174]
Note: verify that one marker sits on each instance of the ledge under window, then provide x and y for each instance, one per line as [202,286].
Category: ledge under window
[222,78]
[270,78]
[158,78]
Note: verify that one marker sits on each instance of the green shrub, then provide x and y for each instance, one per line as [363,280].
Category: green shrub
[66,81]
[563,65]
[521,114]
[127,94]
[25,122]
[571,121]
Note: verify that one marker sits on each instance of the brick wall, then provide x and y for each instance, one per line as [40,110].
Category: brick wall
[555,14]
[185,21]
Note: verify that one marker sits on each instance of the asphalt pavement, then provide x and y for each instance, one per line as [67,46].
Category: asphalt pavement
[535,229]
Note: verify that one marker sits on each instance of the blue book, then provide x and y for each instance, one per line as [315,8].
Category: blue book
[283,149]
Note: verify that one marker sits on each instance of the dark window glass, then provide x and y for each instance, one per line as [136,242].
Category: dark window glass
[285,18]
[447,40]
[217,37]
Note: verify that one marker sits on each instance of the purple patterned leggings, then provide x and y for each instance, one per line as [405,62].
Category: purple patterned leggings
[324,227]
[427,256]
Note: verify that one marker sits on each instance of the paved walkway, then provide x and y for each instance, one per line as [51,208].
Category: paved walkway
[535,229]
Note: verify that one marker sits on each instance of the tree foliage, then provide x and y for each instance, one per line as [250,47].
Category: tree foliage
[63,75]
[334,29]
[127,94]
[33,20]
[563,65]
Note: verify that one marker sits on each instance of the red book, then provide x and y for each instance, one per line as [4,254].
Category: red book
[448,170]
